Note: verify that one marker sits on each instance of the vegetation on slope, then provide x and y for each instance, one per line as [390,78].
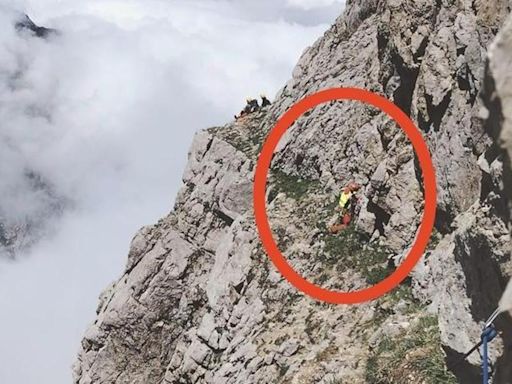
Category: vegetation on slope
[413,356]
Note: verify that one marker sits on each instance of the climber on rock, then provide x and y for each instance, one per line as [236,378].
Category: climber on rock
[254,105]
[264,101]
[251,107]
[346,206]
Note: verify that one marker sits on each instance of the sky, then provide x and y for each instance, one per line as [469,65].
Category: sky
[105,112]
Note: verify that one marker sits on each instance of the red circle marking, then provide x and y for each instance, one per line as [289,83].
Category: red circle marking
[260,182]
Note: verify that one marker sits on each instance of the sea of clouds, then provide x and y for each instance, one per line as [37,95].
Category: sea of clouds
[105,112]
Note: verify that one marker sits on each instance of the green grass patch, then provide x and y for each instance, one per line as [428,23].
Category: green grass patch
[404,293]
[350,250]
[291,185]
[387,305]
[415,356]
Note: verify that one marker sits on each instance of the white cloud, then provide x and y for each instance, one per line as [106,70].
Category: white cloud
[311,4]
[105,112]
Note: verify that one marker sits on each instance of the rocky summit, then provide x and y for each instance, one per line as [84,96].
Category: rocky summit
[200,302]
[25,23]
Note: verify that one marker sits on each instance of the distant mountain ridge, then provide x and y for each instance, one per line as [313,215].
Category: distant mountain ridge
[18,232]
[25,23]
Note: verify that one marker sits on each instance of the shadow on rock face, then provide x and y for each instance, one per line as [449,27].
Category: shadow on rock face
[462,369]
[503,364]
[485,285]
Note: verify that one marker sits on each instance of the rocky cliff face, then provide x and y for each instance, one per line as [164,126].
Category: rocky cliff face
[498,98]
[21,229]
[199,301]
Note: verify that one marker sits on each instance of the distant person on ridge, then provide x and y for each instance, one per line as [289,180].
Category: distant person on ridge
[254,105]
[346,205]
[264,101]
[251,106]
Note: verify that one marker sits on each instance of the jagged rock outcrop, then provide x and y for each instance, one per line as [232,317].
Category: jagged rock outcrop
[25,23]
[199,301]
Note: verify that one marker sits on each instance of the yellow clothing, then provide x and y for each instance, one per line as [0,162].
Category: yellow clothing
[345,199]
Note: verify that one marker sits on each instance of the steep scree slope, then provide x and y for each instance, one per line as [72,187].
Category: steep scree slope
[199,301]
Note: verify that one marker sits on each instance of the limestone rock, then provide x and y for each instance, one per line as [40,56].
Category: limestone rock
[199,301]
